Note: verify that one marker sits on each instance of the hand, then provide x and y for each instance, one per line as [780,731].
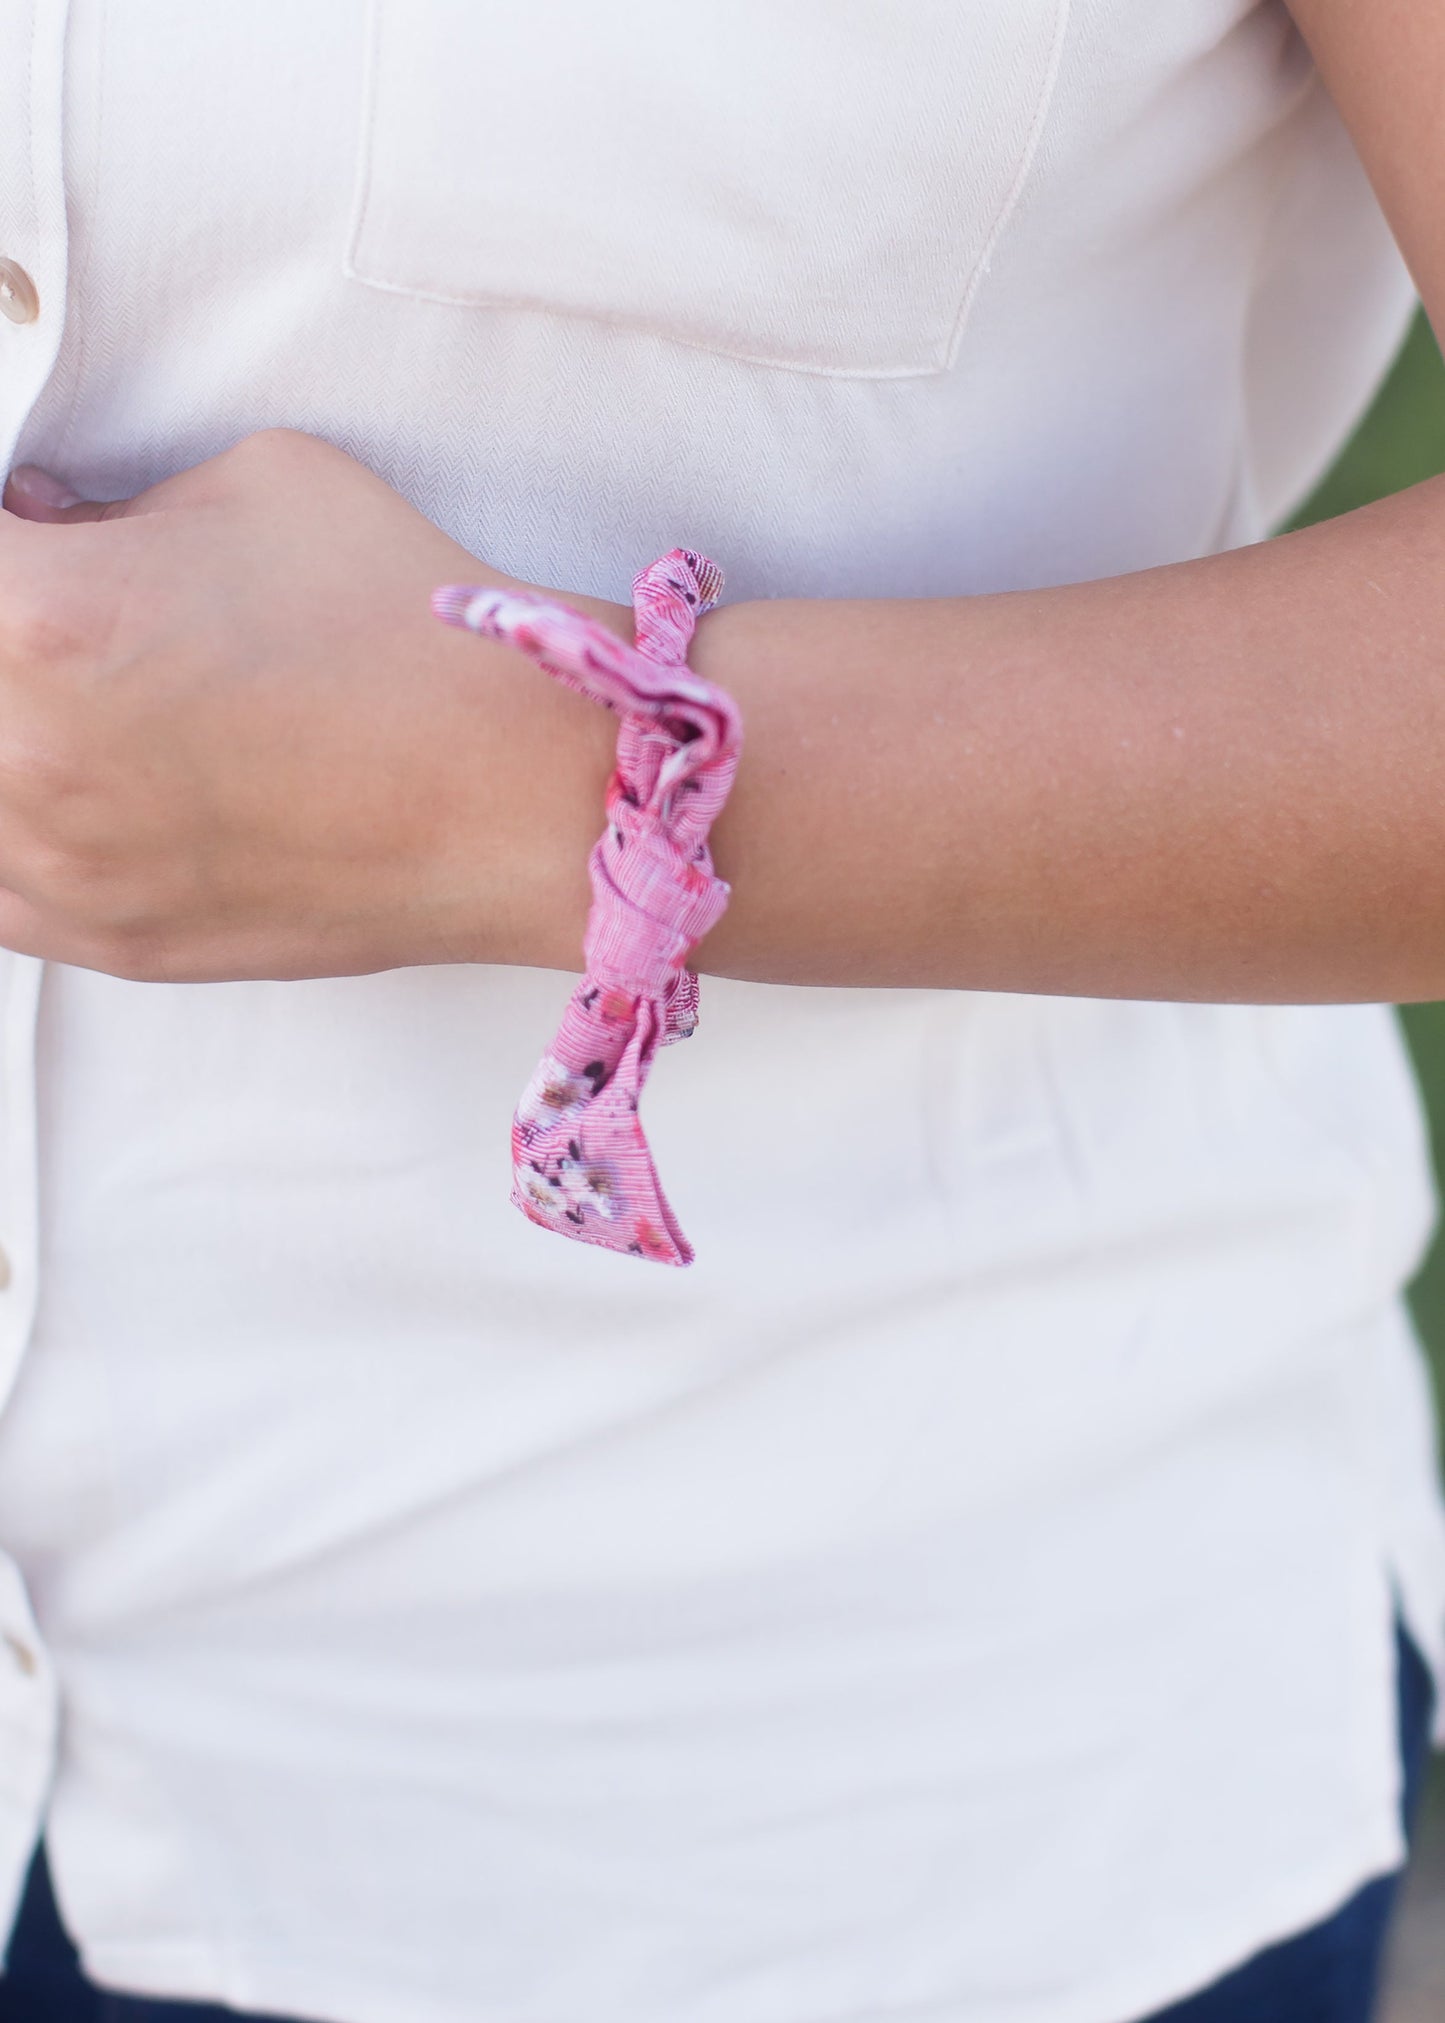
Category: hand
[235,743]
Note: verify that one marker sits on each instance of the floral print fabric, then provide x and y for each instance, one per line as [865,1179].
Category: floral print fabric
[581,1163]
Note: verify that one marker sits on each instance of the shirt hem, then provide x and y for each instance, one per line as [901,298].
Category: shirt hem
[265,1988]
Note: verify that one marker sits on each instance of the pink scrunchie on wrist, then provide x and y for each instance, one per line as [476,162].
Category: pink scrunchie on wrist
[580,1162]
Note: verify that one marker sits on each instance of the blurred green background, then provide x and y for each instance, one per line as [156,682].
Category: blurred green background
[1401,441]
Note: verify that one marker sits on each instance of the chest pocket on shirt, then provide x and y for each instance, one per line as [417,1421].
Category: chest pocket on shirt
[811,184]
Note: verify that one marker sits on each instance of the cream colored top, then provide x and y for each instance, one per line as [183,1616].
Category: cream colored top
[966,1595]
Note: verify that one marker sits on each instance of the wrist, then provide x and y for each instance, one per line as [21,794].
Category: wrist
[581,1163]
[513,868]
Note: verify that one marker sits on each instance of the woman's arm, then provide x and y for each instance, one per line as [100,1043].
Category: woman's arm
[1220,780]
[232,743]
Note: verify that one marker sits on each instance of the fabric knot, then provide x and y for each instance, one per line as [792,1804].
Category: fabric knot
[652,903]
[581,1163]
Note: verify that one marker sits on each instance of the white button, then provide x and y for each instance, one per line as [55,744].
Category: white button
[4,1268]
[18,298]
[25,1659]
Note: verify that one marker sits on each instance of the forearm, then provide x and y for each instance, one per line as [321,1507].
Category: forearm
[1222,780]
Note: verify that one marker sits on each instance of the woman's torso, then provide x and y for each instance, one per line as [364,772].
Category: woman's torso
[966,1591]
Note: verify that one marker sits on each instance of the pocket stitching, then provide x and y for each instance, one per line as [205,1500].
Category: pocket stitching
[973,280]
[1047,89]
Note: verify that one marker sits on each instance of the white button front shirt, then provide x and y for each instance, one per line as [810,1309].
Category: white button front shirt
[968,1593]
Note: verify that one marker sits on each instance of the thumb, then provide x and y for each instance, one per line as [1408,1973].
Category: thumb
[33,494]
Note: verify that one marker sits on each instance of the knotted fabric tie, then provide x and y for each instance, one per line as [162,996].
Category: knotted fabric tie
[581,1164]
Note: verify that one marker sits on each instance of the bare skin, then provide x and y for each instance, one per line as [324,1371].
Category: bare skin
[233,743]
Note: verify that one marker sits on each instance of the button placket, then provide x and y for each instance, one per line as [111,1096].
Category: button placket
[19,297]
[29,1732]
[33,265]
[22,1654]
[19,1210]
[32,207]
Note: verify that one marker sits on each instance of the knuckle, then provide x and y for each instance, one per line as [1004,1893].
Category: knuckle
[135,951]
[40,769]
[62,853]
[45,629]
[106,897]
[66,880]
[122,958]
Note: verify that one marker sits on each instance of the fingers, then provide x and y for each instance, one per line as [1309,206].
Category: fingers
[34,494]
[26,930]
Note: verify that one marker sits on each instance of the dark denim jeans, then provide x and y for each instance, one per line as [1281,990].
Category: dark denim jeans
[1326,1975]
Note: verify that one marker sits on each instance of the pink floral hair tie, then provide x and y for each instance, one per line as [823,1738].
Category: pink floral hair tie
[581,1164]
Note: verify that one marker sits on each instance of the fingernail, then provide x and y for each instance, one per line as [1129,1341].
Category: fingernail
[33,483]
